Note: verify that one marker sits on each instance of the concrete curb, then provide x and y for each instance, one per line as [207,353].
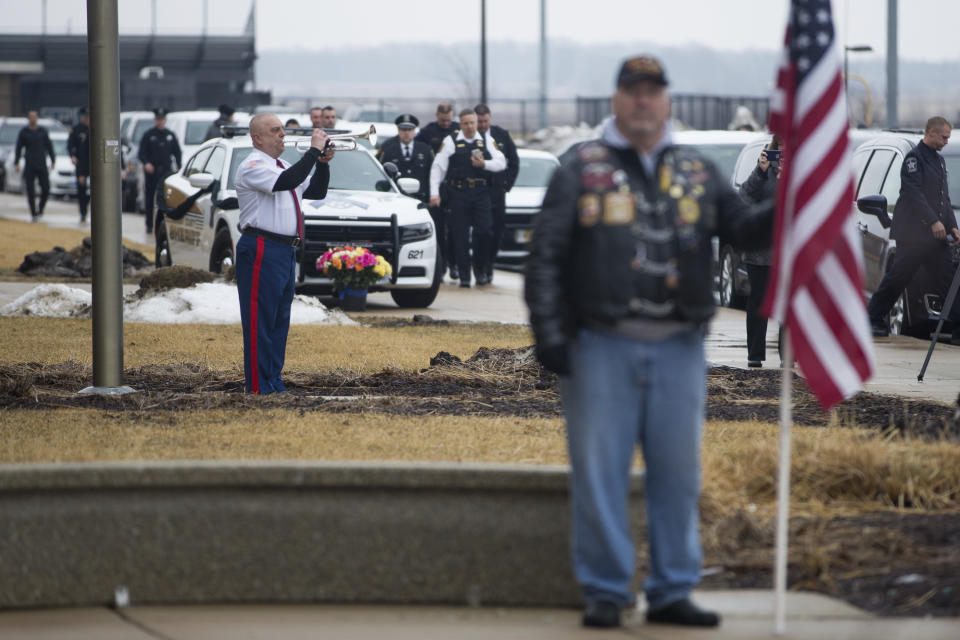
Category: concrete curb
[191,532]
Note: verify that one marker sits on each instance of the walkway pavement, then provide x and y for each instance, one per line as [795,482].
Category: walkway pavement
[747,616]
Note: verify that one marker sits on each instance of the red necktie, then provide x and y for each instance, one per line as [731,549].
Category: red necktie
[296,205]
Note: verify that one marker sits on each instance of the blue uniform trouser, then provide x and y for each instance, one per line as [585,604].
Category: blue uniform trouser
[266,271]
[622,392]
[470,208]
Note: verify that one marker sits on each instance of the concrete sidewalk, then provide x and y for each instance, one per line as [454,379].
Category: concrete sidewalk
[747,616]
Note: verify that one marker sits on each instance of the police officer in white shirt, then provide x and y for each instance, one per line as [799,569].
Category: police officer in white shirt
[461,162]
[269,191]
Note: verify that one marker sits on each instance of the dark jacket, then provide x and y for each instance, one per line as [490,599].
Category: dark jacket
[33,145]
[504,179]
[78,146]
[214,130]
[434,135]
[606,231]
[760,186]
[924,197]
[160,148]
[418,166]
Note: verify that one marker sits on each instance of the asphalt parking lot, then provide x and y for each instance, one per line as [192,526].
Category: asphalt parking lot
[898,358]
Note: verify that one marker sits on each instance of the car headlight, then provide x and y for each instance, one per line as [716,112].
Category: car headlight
[415,232]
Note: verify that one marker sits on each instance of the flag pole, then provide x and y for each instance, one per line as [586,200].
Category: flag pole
[783,489]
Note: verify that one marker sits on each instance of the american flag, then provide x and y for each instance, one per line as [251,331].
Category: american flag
[817,273]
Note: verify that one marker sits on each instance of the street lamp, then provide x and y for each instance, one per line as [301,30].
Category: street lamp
[858,48]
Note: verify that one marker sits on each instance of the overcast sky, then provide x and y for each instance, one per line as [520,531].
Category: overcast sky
[928,28]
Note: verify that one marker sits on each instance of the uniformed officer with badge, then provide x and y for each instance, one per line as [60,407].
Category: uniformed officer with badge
[160,155]
[619,284]
[78,146]
[463,163]
[412,157]
[923,220]
[500,183]
[434,134]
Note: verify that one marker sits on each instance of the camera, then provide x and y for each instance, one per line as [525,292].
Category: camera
[773,155]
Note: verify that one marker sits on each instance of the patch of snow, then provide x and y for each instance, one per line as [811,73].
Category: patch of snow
[205,303]
[50,301]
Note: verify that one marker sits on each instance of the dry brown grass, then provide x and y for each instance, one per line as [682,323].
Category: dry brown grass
[309,347]
[18,238]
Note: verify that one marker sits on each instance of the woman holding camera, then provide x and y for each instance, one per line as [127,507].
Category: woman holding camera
[761,185]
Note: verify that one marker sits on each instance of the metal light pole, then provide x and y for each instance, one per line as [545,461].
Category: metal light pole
[103,51]
[483,51]
[893,117]
[543,64]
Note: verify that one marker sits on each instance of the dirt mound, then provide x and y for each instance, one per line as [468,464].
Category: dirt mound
[176,277]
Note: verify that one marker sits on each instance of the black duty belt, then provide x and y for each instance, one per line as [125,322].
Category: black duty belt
[293,241]
[469,183]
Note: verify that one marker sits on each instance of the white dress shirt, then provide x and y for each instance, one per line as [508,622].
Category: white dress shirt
[260,205]
[438,170]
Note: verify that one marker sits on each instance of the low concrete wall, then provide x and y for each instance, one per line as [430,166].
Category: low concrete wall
[188,532]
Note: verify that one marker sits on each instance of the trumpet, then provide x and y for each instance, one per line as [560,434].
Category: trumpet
[342,141]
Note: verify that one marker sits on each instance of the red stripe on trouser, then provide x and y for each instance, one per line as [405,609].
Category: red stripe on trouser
[254,285]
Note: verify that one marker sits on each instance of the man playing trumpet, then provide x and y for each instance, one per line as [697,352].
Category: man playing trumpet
[269,191]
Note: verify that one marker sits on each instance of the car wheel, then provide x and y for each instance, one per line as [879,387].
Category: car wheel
[162,241]
[221,255]
[728,284]
[420,298]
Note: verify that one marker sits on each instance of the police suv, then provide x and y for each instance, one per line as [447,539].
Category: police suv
[198,213]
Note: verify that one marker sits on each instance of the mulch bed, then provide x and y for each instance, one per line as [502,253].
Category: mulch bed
[891,563]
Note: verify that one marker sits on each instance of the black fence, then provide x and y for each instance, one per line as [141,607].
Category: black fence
[697,111]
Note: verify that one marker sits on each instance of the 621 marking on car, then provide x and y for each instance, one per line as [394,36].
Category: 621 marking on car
[415,254]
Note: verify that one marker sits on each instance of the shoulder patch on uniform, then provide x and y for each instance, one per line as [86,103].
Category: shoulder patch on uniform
[911,165]
[254,162]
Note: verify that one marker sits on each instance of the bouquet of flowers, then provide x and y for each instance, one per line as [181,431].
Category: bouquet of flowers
[354,267]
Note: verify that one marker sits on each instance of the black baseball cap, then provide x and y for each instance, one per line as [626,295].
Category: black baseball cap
[159,113]
[639,68]
[407,121]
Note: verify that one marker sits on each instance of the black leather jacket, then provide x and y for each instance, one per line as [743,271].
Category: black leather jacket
[612,243]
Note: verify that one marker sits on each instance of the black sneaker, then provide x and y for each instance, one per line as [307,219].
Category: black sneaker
[601,613]
[454,273]
[879,328]
[684,612]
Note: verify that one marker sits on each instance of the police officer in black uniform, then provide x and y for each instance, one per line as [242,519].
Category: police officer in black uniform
[463,163]
[923,220]
[434,134]
[78,146]
[160,154]
[33,143]
[500,183]
[412,157]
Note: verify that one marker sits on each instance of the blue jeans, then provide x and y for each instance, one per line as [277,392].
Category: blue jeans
[622,392]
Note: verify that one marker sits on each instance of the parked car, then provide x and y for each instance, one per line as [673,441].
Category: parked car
[133,124]
[63,178]
[191,127]
[382,116]
[364,207]
[523,204]
[719,146]
[732,283]
[9,129]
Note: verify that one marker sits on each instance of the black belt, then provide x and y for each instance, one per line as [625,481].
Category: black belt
[469,183]
[293,241]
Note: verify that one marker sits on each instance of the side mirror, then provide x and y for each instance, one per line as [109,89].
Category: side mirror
[409,186]
[391,170]
[200,180]
[875,206]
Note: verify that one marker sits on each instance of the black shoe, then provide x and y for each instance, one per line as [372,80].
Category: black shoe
[879,328]
[149,231]
[955,338]
[684,612]
[754,364]
[454,273]
[601,614]
[482,280]
[464,284]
